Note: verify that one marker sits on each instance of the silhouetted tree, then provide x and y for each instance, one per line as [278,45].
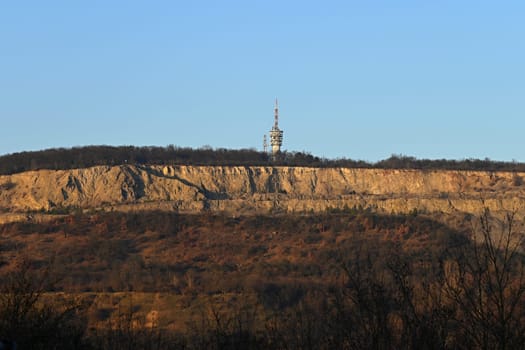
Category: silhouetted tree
[31,320]
[486,280]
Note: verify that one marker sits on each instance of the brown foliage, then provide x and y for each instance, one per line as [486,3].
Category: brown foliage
[343,280]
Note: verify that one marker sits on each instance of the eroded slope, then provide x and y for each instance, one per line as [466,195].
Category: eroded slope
[260,189]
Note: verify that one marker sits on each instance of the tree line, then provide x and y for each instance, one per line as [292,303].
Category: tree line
[87,156]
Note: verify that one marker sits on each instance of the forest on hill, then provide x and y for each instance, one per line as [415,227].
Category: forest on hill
[83,157]
[341,280]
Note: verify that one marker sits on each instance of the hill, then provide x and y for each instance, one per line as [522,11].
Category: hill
[161,255]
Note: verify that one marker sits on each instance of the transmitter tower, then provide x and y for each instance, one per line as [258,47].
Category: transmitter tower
[265,144]
[276,134]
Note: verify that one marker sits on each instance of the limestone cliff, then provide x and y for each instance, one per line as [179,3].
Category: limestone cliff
[240,189]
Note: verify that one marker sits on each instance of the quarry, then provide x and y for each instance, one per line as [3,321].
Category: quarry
[258,190]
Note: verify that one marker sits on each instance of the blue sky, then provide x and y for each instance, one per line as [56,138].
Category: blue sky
[355,79]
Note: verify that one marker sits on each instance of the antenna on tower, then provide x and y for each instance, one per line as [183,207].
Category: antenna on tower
[265,144]
[276,113]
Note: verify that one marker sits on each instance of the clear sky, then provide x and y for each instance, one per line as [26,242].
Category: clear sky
[355,79]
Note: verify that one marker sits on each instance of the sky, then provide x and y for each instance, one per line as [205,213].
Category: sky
[355,79]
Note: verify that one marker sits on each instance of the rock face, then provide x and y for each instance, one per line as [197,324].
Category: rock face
[239,189]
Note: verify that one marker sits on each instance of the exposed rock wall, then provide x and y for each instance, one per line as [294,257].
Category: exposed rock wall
[260,189]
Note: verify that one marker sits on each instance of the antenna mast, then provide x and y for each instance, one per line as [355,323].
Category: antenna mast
[276,114]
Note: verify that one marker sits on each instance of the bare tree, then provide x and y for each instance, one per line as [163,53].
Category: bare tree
[30,319]
[486,280]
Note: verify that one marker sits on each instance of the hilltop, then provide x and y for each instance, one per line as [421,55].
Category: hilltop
[88,156]
[185,180]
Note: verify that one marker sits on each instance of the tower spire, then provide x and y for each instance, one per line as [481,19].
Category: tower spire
[276,114]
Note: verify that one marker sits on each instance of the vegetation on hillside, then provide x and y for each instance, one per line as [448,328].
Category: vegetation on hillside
[342,280]
[82,157]
[169,252]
